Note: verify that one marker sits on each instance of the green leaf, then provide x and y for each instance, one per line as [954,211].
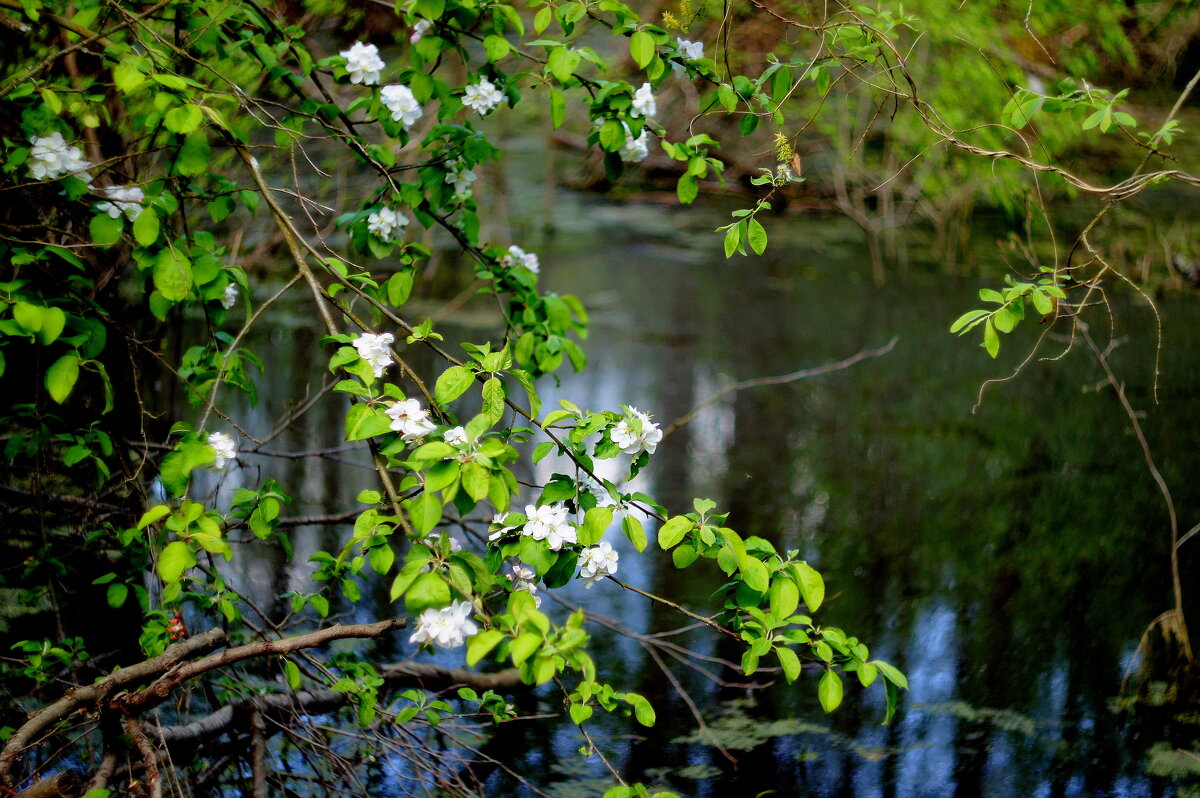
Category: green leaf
[475,480]
[493,401]
[496,47]
[53,320]
[893,693]
[481,644]
[61,377]
[366,421]
[595,524]
[172,274]
[145,227]
[558,107]
[183,119]
[829,691]
[641,48]
[812,585]
[562,63]
[399,287]
[612,135]
[177,467]
[152,515]
[127,77]
[963,323]
[642,710]
[789,661]
[176,558]
[687,189]
[291,674]
[195,156]
[427,590]
[453,383]
[758,237]
[524,647]
[732,239]
[754,573]
[106,230]
[426,511]
[673,531]
[635,532]
[785,597]
[727,97]
[117,593]
[991,341]
[891,673]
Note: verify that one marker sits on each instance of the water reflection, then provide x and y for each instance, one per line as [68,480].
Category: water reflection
[1008,560]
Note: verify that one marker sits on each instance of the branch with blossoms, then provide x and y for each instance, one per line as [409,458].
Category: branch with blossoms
[194,98]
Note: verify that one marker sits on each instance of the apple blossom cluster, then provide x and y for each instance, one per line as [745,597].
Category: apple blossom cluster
[51,157]
[374,349]
[126,200]
[689,51]
[448,627]
[461,177]
[363,63]
[523,579]
[225,449]
[387,224]
[230,297]
[519,257]
[419,30]
[549,523]
[410,419]
[400,101]
[597,562]
[635,150]
[636,432]
[482,96]
[643,102]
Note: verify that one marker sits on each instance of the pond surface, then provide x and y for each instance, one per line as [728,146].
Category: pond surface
[1008,557]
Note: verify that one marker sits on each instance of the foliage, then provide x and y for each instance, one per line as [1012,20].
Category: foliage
[142,141]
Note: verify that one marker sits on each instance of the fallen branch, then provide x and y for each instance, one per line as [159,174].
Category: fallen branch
[93,694]
[279,707]
[783,379]
[157,692]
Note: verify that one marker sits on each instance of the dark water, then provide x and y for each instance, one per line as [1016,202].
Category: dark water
[1008,559]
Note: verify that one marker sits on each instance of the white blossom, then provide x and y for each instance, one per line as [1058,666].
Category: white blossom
[410,419]
[420,29]
[225,448]
[51,157]
[643,102]
[230,297]
[386,224]
[374,349]
[636,432]
[688,51]
[448,627]
[461,178]
[126,200]
[434,542]
[500,519]
[635,150]
[519,257]
[549,523]
[523,578]
[455,436]
[363,63]
[597,562]
[482,96]
[400,101]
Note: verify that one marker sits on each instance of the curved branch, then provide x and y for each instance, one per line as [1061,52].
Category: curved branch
[92,694]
